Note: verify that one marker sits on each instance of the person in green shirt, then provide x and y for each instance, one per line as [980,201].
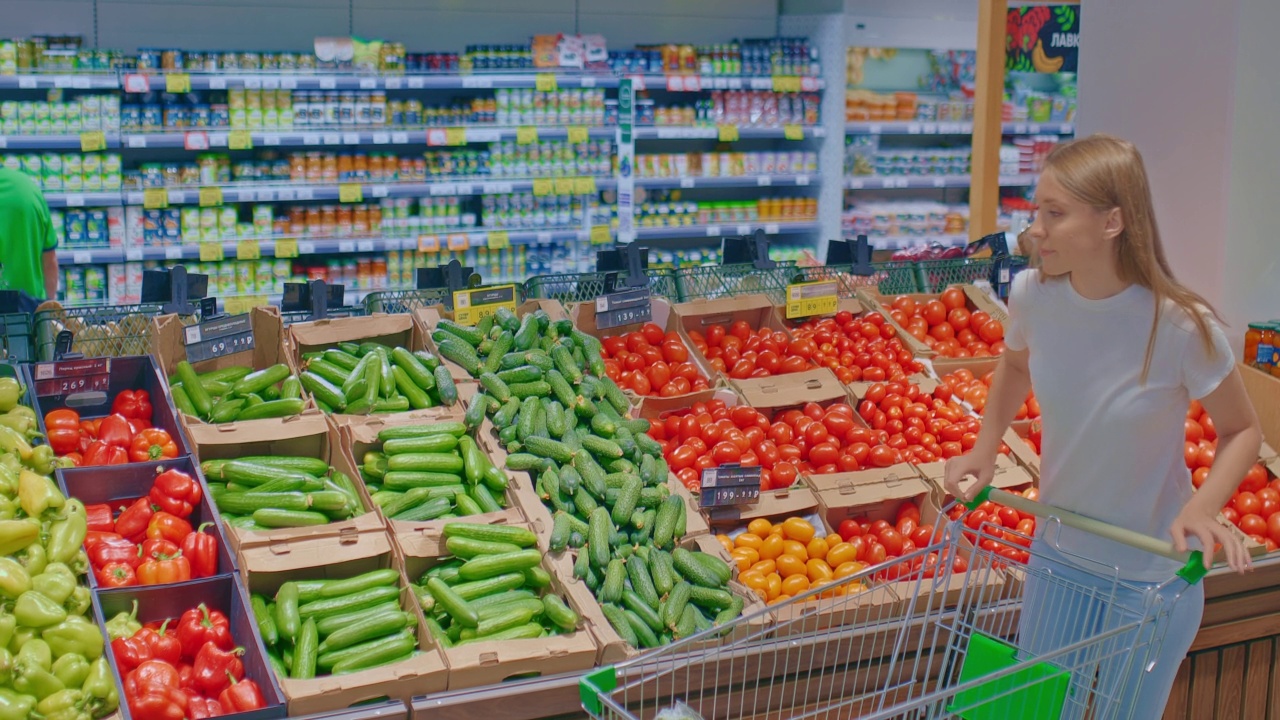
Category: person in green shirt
[27,238]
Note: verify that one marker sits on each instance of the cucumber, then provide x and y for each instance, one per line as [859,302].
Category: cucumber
[330,372]
[344,360]
[551,449]
[403,480]
[561,389]
[429,361]
[416,371]
[643,632]
[665,526]
[662,571]
[369,627]
[362,600]
[501,347]
[272,409]
[628,498]
[484,499]
[693,570]
[495,386]
[731,612]
[275,518]
[537,388]
[323,390]
[181,400]
[632,601]
[521,374]
[507,413]
[598,538]
[195,391]
[518,536]
[642,583]
[561,615]
[433,443]
[368,654]
[710,598]
[256,382]
[227,410]
[471,335]
[416,395]
[715,566]
[617,618]
[432,509]
[560,530]
[602,447]
[565,364]
[411,499]
[474,415]
[461,354]
[677,601]
[487,566]
[615,575]
[445,387]
[412,431]
[527,462]
[425,462]
[466,548]
[489,586]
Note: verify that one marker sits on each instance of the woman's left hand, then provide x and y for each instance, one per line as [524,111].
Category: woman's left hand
[1205,526]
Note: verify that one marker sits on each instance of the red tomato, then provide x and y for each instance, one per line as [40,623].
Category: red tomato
[882,456]
[784,474]
[1254,480]
[1246,503]
[682,457]
[726,452]
[1273,528]
[653,334]
[1252,524]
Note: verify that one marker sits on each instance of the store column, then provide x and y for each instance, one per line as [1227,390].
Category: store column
[1192,84]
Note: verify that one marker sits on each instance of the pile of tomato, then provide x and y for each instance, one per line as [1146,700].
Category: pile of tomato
[919,427]
[782,560]
[1255,507]
[948,326]
[1016,528]
[124,436]
[855,347]
[880,541]
[741,351]
[652,362]
[973,389]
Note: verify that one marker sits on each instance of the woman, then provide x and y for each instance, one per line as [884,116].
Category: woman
[1117,348]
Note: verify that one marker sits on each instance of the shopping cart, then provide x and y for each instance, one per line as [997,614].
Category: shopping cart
[937,635]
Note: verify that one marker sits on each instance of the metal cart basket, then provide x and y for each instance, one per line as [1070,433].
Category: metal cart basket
[957,629]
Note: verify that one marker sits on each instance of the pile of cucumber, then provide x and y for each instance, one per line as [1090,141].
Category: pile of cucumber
[428,472]
[369,377]
[267,492]
[236,393]
[492,588]
[332,627]
[564,421]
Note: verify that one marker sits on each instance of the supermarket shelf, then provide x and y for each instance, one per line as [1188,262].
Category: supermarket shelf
[872,182]
[723,229]
[43,82]
[890,127]
[713,133]
[82,199]
[899,242]
[731,182]
[452,81]
[49,142]
[330,137]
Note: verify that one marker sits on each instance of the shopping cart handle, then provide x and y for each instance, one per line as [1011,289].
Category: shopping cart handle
[1193,568]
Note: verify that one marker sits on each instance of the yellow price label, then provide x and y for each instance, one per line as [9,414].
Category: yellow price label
[211,252]
[728,133]
[93,141]
[458,242]
[248,250]
[811,298]
[500,240]
[786,83]
[351,193]
[177,83]
[155,198]
[543,186]
[210,196]
[234,306]
[455,136]
[564,186]
[584,186]
[526,135]
[791,131]
[472,306]
[286,248]
[240,140]
[577,134]
[600,235]
[545,82]
[429,243]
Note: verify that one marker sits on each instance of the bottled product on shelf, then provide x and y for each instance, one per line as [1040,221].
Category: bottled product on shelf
[70,172]
[676,213]
[904,219]
[726,164]
[864,155]
[58,115]
[760,58]
[745,108]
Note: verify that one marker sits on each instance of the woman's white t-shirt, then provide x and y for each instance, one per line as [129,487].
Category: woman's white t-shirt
[1112,446]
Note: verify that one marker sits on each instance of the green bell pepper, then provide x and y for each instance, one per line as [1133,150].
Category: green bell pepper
[55,583]
[8,623]
[31,671]
[14,579]
[80,563]
[23,411]
[8,508]
[124,624]
[18,534]
[37,651]
[76,635]
[79,602]
[37,493]
[35,610]
[100,689]
[22,636]
[67,704]
[33,557]
[6,668]
[71,669]
[14,706]
[10,394]
[22,424]
[42,459]
[67,533]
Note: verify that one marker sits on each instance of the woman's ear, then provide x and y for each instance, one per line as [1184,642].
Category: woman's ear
[1114,223]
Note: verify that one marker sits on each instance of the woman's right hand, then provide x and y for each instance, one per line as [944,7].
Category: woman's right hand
[977,465]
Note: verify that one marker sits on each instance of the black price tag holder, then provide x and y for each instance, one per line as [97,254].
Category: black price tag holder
[83,382]
[174,289]
[218,337]
[315,298]
[730,485]
[627,297]
[451,278]
[747,250]
[852,256]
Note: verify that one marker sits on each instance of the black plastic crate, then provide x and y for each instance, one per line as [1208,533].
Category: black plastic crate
[113,484]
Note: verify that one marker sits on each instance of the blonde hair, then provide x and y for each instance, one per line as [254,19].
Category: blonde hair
[1107,173]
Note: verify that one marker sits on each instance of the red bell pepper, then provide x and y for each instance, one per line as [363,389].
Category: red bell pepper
[61,418]
[175,492]
[157,672]
[216,669]
[199,707]
[155,548]
[132,523]
[115,430]
[152,444]
[101,453]
[71,459]
[100,518]
[107,548]
[117,574]
[199,625]
[187,677]
[167,526]
[147,644]
[154,701]
[89,428]
[64,440]
[162,569]
[201,548]
[133,404]
[241,696]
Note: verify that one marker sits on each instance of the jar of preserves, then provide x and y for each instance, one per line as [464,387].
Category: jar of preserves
[1253,343]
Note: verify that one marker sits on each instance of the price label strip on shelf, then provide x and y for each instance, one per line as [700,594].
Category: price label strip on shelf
[625,307]
[564,186]
[472,306]
[351,193]
[177,83]
[499,240]
[811,298]
[93,141]
[526,135]
[210,196]
[730,485]
[577,134]
[458,242]
[600,235]
[286,248]
[69,377]
[155,198]
[545,82]
[791,131]
[786,83]
[211,251]
[248,250]
[728,133]
[543,186]
[215,338]
[240,140]
[429,243]
[584,186]
[455,136]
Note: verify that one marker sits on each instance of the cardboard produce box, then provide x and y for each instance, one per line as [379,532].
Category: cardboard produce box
[584,318]
[265,568]
[360,438]
[858,309]
[303,436]
[758,311]
[491,662]
[975,299]
[428,318]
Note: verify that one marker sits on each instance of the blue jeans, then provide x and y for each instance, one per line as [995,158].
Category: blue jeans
[1063,603]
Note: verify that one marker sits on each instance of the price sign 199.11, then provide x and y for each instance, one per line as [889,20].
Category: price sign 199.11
[730,485]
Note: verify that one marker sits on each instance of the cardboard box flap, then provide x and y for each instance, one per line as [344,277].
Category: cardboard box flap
[727,307]
[655,408]
[392,330]
[321,555]
[1008,473]
[852,491]
[847,483]
[278,430]
[168,343]
[817,385]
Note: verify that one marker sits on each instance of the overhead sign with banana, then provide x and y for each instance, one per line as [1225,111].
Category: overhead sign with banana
[1042,38]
